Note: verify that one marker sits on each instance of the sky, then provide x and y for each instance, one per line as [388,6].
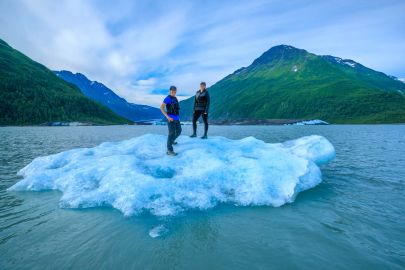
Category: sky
[140,48]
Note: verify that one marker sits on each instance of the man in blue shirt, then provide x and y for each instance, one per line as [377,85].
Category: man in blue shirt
[173,119]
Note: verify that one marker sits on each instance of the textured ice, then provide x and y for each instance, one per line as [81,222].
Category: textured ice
[136,176]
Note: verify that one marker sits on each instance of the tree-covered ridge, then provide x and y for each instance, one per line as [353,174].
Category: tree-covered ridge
[286,82]
[30,93]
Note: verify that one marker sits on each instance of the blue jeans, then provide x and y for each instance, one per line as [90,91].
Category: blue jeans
[174,132]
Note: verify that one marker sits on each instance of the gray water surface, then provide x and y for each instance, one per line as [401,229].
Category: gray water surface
[354,219]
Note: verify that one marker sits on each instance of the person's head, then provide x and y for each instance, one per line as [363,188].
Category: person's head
[203,86]
[173,90]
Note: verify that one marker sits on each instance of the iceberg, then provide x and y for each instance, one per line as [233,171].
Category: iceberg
[136,176]
[309,122]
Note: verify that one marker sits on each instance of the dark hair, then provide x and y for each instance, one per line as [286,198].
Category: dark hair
[203,83]
[173,88]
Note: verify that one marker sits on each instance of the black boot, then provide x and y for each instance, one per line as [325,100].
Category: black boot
[171,153]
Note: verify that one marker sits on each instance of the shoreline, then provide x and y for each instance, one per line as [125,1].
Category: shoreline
[236,122]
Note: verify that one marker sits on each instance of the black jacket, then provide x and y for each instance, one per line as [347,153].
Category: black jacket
[202,101]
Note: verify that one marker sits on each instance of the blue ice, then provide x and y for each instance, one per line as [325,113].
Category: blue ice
[136,176]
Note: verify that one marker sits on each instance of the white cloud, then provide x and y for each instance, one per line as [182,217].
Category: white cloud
[135,47]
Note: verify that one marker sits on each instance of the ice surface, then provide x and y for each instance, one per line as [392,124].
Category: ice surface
[136,175]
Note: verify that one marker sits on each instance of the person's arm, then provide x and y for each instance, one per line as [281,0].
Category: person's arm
[162,109]
[208,102]
[195,101]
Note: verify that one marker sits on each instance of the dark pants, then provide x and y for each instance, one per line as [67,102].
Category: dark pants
[174,132]
[197,115]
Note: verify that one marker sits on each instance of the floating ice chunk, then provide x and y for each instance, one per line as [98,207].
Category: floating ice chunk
[309,122]
[158,231]
[136,175]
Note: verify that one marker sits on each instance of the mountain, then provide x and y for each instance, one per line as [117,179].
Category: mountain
[30,93]
[102,94]
[286,82]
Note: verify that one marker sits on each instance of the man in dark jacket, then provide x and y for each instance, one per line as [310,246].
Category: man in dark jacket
[201,107]
[173,119]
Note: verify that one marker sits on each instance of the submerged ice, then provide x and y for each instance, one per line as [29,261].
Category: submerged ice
[136,176]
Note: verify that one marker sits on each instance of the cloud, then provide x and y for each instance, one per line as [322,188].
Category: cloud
[138,48]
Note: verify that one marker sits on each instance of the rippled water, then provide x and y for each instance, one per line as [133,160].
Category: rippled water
[353,220]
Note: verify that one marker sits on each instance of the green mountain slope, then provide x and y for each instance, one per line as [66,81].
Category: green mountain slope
[32,94]
[290,83]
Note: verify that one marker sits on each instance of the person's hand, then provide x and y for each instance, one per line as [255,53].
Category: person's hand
[170,119]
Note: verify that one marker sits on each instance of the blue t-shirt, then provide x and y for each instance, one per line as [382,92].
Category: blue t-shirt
[169,100]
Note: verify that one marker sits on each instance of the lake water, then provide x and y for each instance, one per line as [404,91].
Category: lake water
[354,219]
